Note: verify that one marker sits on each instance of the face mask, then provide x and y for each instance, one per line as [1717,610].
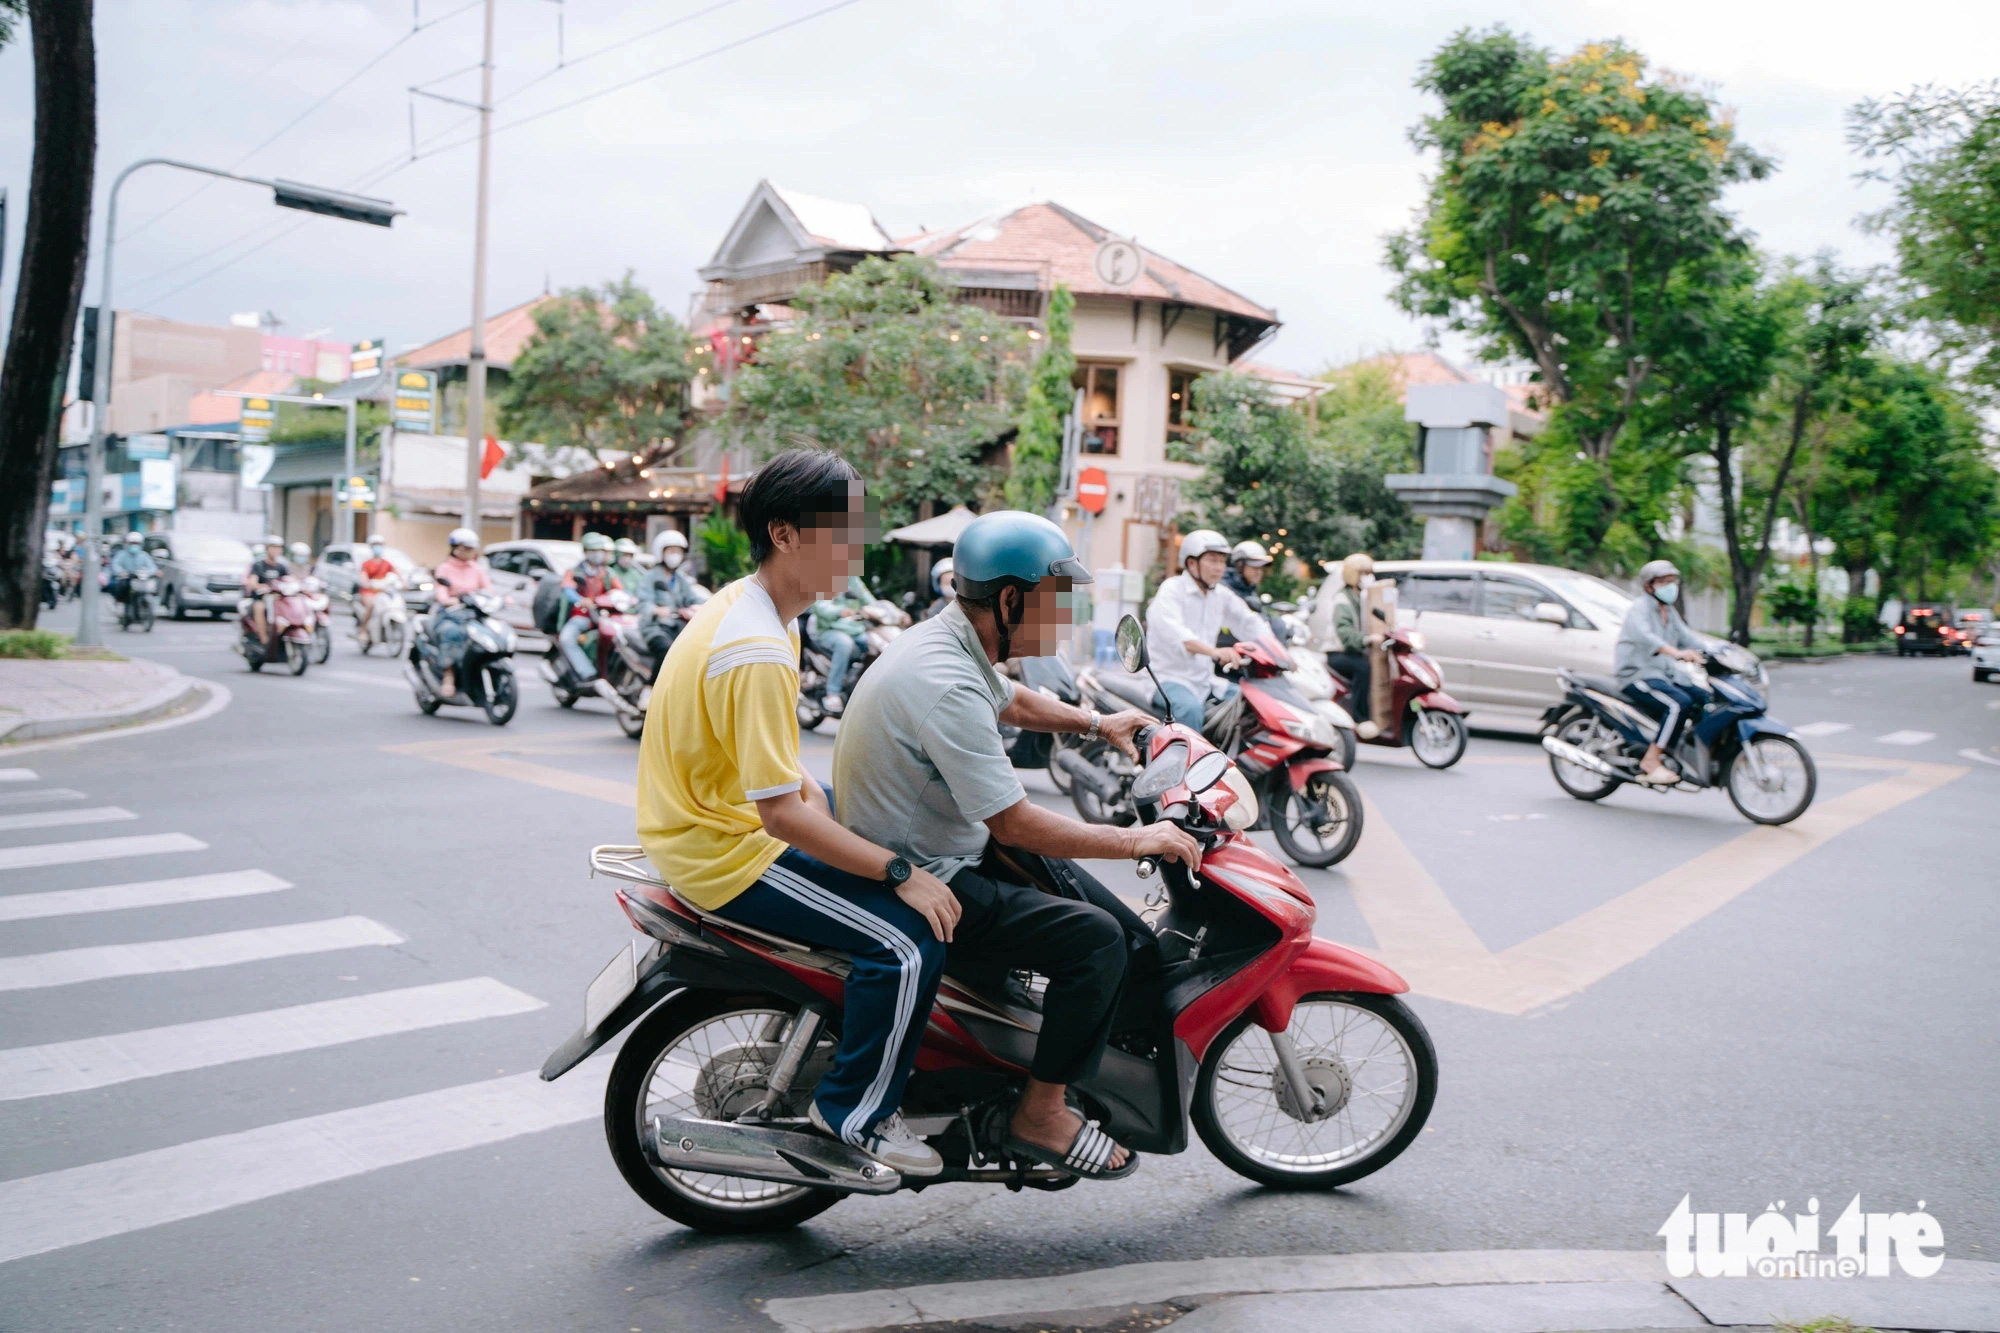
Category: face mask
[1668,593]
[599,558]
[671,559]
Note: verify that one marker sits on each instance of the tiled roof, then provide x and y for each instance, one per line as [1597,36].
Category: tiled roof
[1050,244]
[506,333]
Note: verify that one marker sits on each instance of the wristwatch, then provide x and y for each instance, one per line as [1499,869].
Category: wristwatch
[897,872]
[1096,726]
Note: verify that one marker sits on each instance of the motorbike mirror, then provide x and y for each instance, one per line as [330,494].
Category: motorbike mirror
[1207,771]
[1132,644]
[1552,613]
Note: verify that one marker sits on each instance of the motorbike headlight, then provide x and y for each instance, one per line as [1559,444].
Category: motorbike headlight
[505,634]
[1417,639]
[1422,671]
[480,635]
[1313,730]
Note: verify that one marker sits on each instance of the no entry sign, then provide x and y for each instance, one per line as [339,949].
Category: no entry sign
[1093,488]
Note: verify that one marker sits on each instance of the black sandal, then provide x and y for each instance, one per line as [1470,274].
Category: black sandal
[1088,1153]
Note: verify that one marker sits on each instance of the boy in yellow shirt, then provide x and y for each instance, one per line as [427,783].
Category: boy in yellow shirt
[728,817]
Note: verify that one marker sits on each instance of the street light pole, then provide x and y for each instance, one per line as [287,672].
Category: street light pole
[475,360]
[286,194]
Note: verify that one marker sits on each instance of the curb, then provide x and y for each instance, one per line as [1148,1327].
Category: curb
[1564,1278]
[176,691]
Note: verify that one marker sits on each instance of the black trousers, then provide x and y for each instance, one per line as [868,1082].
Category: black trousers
[1359,672]
[1022,911]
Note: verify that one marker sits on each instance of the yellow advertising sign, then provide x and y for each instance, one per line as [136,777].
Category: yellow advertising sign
[415,408]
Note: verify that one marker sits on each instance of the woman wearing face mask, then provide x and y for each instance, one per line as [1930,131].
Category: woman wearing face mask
[666,595]
[1654,631]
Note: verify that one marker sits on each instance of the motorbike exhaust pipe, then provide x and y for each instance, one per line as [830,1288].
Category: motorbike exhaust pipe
[1568,753]
[1104,785]
[765,1152]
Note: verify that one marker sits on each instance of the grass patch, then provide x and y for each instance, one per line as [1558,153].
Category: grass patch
[1831,1323]
[48,646]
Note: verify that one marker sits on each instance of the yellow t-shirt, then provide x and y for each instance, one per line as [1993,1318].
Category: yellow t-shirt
[722,733]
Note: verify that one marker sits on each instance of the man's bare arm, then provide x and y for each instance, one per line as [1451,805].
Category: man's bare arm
[1032,829]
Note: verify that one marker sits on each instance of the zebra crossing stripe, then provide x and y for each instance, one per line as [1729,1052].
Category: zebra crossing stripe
[17,775]
[66,967]
[97,814]
[96,849]
[86,1203]
[98,1062]
[144,893]
[42,794]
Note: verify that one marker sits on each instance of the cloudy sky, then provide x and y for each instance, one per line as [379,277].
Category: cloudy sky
[1262,144]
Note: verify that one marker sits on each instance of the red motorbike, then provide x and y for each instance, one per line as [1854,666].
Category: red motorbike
[1421,715]
[621,680]
[290,622]
[1291,1056]
[1285,747]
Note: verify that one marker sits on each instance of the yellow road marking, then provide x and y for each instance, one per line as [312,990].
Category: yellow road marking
[496,757]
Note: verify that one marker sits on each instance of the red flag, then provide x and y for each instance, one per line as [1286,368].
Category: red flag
[491,459]
[722,487]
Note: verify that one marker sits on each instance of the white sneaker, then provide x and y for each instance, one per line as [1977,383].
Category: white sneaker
[892,1144]
[1366,731]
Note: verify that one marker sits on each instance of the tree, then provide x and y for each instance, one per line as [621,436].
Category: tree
[606,369]
[1945,219]
[53,250]
[1038,446]
[725,548]
[1574,198]
[886,367]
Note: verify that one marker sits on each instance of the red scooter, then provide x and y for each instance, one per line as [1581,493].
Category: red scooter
[1421,715]
[290,621]
[1286,747]
[1291,1055]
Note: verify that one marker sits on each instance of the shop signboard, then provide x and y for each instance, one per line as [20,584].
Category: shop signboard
[416,402]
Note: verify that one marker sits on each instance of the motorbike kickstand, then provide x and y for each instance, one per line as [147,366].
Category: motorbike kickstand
[797,1046]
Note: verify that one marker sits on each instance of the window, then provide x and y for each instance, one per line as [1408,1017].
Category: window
[339,557]
[1180,385]
[507,562]
[1511,599]
[1101,417]
[1438,592]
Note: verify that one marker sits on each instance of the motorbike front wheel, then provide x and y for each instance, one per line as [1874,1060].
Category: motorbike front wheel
[322,645]
[297,655]
[1437,738]
[143,613]
[708,1055]
[1783,789]
[1319,826]
[500,697]
[1094,809]
[1373,1074]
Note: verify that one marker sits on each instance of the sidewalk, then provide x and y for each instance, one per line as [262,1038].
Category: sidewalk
[39,699]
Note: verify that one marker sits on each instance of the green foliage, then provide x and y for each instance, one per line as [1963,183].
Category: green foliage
[1308,494]
[606,369]
[39,643]
[1860,620]
[1792,602]
[1575,196]
[1038,446]
[886,368]
[11,14]
[725,548]
[1945,149]
[298,423]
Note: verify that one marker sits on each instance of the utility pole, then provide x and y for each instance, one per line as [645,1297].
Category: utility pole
[475,361]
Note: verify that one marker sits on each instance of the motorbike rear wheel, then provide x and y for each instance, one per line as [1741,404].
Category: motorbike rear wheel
[1319,826]
[297,655]
[1586,733]
[1368,1059]
[709,1055]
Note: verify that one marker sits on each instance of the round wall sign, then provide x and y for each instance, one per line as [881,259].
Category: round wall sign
[1119,263]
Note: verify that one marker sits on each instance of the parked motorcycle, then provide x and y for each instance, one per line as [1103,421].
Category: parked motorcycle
[289,623]
[485,677]
[613,614]
[386,622]
[140,593]
[1596,736]
[1421,715]
[1291,1056]
[885,621]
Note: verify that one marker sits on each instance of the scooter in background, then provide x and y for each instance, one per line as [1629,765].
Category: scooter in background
[1421,715]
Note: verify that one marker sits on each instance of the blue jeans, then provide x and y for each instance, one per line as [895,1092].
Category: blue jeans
[1670,701]
[840,650]
[449,627]
[897,962]
[1189,707]
[571,638]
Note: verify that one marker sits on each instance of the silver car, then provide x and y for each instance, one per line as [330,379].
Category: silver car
[517,566]
[339,568]
[198,572]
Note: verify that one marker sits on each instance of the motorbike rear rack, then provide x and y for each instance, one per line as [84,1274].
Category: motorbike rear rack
[632,865]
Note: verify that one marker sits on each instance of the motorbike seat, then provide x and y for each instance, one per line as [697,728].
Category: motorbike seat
[1601,684]
[1138,693]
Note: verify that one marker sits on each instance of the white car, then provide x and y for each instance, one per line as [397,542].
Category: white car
[339,568]
[1501,631]
[517,566]
[1986,654]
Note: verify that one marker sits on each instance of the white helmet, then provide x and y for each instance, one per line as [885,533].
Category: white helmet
[463,537]
[1249,553]
[669,537]
[273,539]
[377,541]
[133,538]
[300,552]
[1200,542]
[1657,569]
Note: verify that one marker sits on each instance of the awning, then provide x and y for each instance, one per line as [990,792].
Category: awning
[940,531]
[307,465]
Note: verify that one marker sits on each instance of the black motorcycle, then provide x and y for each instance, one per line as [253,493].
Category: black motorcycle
[1037,749]
[137,606]
[51,587]
[1596,735]
[485,671]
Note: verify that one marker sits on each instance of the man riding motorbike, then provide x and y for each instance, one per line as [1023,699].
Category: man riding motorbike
[1336,625]
[461,573]
[838,631]
[130,561]
[376,571]
[1654,630]
[261,582]
[581,587]
[625,562]
[920,767]
[729,817]
[1248,563]
[1182,623]
[666,595]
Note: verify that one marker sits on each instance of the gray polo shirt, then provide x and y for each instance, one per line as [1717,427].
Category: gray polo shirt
[919,762]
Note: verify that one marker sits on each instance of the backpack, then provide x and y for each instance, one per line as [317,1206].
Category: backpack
[548,604]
